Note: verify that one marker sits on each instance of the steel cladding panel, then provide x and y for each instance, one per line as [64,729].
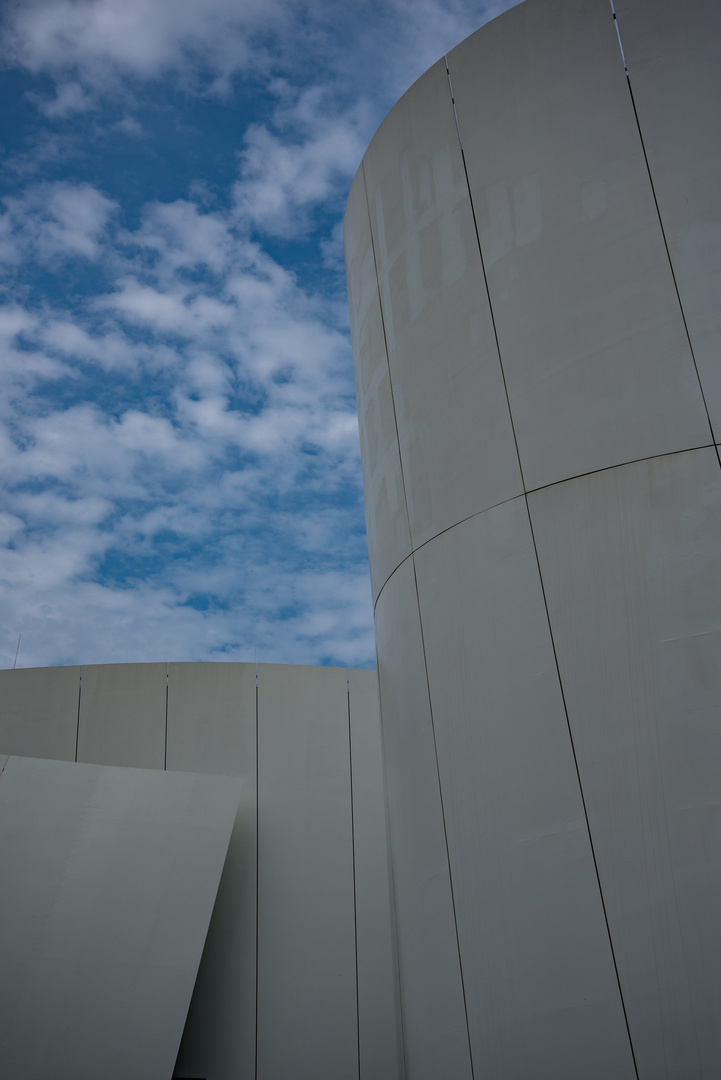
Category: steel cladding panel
[122,715]
[380,1051]
[433,1014]
[109,878]
[591,335]
[306,926]
[541,990]
[39,712]
[672,52]
[211,729]
[631,565]
[454,428]
[386,513]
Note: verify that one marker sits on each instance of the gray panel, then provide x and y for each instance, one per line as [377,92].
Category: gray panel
[378,1015]
[306,934]
[541,990]
[211,729]
[39,712]
[594,350]
[122,715]
[672,52]
[631,563]
[109,877]
[385,500]
[456,440]
[434,1022]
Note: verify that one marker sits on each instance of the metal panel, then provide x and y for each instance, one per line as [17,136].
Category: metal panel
[39,712]
[306,931]
[434,1021]
[672,52]
[541,990]
[380,1053]
[122,715]
[591,336]
[385,500]
[454,427]
[109,878]
[211,729]
[631,564]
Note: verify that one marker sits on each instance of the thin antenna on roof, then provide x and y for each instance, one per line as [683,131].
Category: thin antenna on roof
[17,650]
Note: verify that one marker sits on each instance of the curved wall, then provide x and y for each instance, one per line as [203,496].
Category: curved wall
[534,268]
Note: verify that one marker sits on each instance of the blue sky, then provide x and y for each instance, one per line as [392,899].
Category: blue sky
[178,436]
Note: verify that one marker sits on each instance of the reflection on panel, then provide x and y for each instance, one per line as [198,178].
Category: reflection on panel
[454,428]
[39,712]
[541,991]
[386,514]
[122,715]
[434,1021]
[109,878]
[591,334]
[672,52]
[632,569]
[306,925]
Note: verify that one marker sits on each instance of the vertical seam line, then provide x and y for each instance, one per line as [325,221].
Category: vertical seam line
[165,755]
[77,726]
[538,564]
[663,232]
[580,785]
[257,864]
[352,843]
[443,818]
[410,537]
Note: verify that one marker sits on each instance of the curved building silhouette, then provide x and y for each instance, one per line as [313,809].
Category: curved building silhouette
[534,271]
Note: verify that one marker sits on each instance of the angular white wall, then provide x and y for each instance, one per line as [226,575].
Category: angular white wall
[298,974]
[533,246]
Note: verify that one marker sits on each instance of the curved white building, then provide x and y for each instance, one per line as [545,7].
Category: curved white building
[534,267]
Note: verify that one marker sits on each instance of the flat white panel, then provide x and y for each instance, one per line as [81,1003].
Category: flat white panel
[109,877]
[211,729]
[378,1003]
[39,712]
[672,52]
[307,1020]
[541,991]
[434,1023]
[591,336]
[631,563]
[455,433]
[211,719]
[122,715]
[385,500]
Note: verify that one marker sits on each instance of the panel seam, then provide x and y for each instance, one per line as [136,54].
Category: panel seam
[77,726]
[352,844]
[443,818]
[663,233]
[538,564]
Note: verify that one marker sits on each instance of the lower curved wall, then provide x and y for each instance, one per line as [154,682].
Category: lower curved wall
[532,257]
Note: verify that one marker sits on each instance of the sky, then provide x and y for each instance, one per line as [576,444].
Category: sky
[179,453]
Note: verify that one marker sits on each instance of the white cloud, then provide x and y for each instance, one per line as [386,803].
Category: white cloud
[55,220]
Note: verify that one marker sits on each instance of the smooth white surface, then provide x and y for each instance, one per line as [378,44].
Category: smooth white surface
[108,882]
[542,995]
[39,712]
[385,499]
[434,1021]
[211,729]
[378,1003]
[591,335]
[307,1016]
[122,715]
[672,52]
[456,441]
[631,565]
